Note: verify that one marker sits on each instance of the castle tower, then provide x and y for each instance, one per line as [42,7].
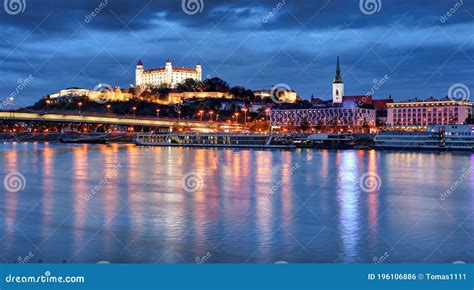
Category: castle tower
[199,71]
[169,72]
[139,74]
[337,86]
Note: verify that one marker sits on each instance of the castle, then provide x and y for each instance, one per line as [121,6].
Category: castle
[168,75]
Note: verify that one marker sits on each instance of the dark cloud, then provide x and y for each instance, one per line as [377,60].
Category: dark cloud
[252,43]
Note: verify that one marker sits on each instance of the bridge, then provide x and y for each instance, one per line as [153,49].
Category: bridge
[112,119]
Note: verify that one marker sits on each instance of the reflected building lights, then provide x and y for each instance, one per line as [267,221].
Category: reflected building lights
[348,192]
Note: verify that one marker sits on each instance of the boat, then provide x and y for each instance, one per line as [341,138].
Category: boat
[84,138]
[326,141]
[216,140]
[435,137]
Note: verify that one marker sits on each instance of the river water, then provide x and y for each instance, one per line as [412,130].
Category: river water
[128,204]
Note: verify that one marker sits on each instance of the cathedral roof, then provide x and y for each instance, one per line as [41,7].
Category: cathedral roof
[139,62]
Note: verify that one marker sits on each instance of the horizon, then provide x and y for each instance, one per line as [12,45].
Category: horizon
[421,49]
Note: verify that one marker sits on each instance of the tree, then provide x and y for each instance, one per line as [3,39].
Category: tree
[215,85]
[305,125]
[189,85]
[242,94]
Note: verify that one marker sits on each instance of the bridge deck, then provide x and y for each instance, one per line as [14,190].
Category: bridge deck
[112,119]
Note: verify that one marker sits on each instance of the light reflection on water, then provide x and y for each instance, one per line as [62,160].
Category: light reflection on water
[254,205]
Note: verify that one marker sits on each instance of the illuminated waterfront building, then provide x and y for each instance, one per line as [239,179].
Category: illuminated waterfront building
[283,95]
[108,94]
[428,112]
[341,113]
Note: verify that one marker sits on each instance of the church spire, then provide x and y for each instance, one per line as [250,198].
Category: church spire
[338,77]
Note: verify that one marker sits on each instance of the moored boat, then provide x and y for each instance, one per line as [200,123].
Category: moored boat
[436,137]
[326,141]
[216,140]
[84,138]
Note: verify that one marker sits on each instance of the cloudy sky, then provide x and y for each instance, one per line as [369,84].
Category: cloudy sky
[420,49]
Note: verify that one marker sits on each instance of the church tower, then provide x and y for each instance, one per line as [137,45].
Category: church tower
[139,74]
[337,86]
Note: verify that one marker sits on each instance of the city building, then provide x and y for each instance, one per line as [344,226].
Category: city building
[428,112]
[179,97]
[165,76]
[340,114]
[356,119]
[109,94]
[282,95]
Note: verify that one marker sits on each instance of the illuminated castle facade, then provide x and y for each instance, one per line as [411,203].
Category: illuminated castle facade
[168,75]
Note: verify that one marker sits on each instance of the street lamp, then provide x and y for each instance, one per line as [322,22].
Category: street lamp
[210,115]
[237,117]
[108,108]
[47,105]
[80,105]
[157,113]
[267,111]
[245,115]
[201,112]
[179,114]
[134,111]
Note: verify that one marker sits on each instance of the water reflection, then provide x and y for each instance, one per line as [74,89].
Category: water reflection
[348,192]
[253,206]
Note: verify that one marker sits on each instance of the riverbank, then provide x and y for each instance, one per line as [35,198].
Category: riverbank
[57,137]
